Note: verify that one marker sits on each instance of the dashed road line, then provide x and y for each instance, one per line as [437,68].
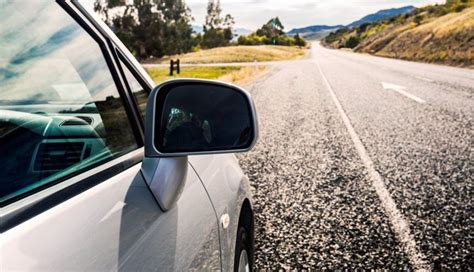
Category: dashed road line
[424,79]
[399,225]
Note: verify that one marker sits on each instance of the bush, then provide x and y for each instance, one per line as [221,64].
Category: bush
[255,39]
[460,8]
[299,41]
[352,42]
[252,39]
[418,19]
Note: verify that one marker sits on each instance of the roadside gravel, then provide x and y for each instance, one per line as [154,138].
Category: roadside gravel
[315,208]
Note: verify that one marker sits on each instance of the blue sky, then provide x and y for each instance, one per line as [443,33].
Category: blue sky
[297,13]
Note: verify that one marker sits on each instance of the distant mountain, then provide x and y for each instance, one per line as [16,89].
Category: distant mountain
[382,14]
[313,28]
[314,32]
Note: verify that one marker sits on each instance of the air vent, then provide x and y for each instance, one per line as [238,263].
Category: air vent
[78,121]
[57,156]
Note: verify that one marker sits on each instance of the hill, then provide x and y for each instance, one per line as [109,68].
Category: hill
[316,32]
[313,28]
[439,34]
[382,14]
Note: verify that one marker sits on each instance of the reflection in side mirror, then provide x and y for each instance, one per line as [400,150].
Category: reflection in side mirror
[186,117]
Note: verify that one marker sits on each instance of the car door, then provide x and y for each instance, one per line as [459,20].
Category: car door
[73,196]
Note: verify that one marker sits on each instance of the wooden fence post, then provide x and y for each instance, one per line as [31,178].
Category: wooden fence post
[171,67]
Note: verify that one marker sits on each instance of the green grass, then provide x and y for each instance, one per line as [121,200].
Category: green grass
[162,74]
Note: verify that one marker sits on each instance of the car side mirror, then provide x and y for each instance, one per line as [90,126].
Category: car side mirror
[192,117]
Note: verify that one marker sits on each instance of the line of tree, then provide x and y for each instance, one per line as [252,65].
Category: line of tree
[271,33]
[154,28]
[149,28]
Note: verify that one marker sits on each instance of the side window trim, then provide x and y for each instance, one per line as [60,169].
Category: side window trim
[124,62]
[134,72]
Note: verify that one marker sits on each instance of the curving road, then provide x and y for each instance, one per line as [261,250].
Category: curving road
[363,162]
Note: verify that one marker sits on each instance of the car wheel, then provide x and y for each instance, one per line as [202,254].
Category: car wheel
[243,248]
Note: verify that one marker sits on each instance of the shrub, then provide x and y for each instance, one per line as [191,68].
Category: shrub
[418,19]
[460,8]
[252,39]
[352,42]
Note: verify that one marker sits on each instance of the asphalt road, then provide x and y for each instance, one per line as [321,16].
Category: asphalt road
[363,162]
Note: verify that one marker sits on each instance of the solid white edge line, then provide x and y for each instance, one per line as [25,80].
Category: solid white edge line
[399,224]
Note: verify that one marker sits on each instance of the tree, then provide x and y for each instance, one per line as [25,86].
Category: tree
[217,30]
[178,30]
[272,29]
[271,33]
[299,41]
[149,28]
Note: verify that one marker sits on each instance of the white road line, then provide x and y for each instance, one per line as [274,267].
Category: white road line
[399,224]
[401,90]
[424,79]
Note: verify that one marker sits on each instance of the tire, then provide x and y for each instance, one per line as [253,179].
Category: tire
[243,260]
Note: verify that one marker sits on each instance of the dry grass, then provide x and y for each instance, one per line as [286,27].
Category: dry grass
[240,54]
[245,75]
[447,39]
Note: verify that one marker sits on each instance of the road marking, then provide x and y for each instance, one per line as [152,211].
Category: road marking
[401,90]
[399,224]
[424,79]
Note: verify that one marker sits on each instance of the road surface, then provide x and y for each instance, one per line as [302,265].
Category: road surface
[363,162]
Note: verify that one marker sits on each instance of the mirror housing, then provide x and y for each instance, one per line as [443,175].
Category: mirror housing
[196,117]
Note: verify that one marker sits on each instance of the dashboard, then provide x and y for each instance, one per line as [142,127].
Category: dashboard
[35,146]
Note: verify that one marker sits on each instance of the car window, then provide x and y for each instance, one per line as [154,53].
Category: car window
[60,110]
[139,92]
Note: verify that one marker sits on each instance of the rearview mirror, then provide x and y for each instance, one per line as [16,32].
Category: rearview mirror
[190,117]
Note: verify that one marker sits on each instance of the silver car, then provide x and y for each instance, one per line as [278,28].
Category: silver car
[100,170]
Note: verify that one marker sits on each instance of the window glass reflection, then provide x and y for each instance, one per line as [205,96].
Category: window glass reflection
[60,111]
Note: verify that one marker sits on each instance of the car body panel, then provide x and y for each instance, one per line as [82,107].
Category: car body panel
[228,188]
[117,225]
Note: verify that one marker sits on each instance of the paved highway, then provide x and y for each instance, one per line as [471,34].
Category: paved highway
[363,162]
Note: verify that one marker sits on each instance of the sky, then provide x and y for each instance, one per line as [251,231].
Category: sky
[251,14]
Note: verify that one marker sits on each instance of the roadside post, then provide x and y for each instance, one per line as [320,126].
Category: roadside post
[172,67]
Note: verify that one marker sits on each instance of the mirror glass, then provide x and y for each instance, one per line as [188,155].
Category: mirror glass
[200,117]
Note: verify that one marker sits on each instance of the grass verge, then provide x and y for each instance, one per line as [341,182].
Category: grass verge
[230,74]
